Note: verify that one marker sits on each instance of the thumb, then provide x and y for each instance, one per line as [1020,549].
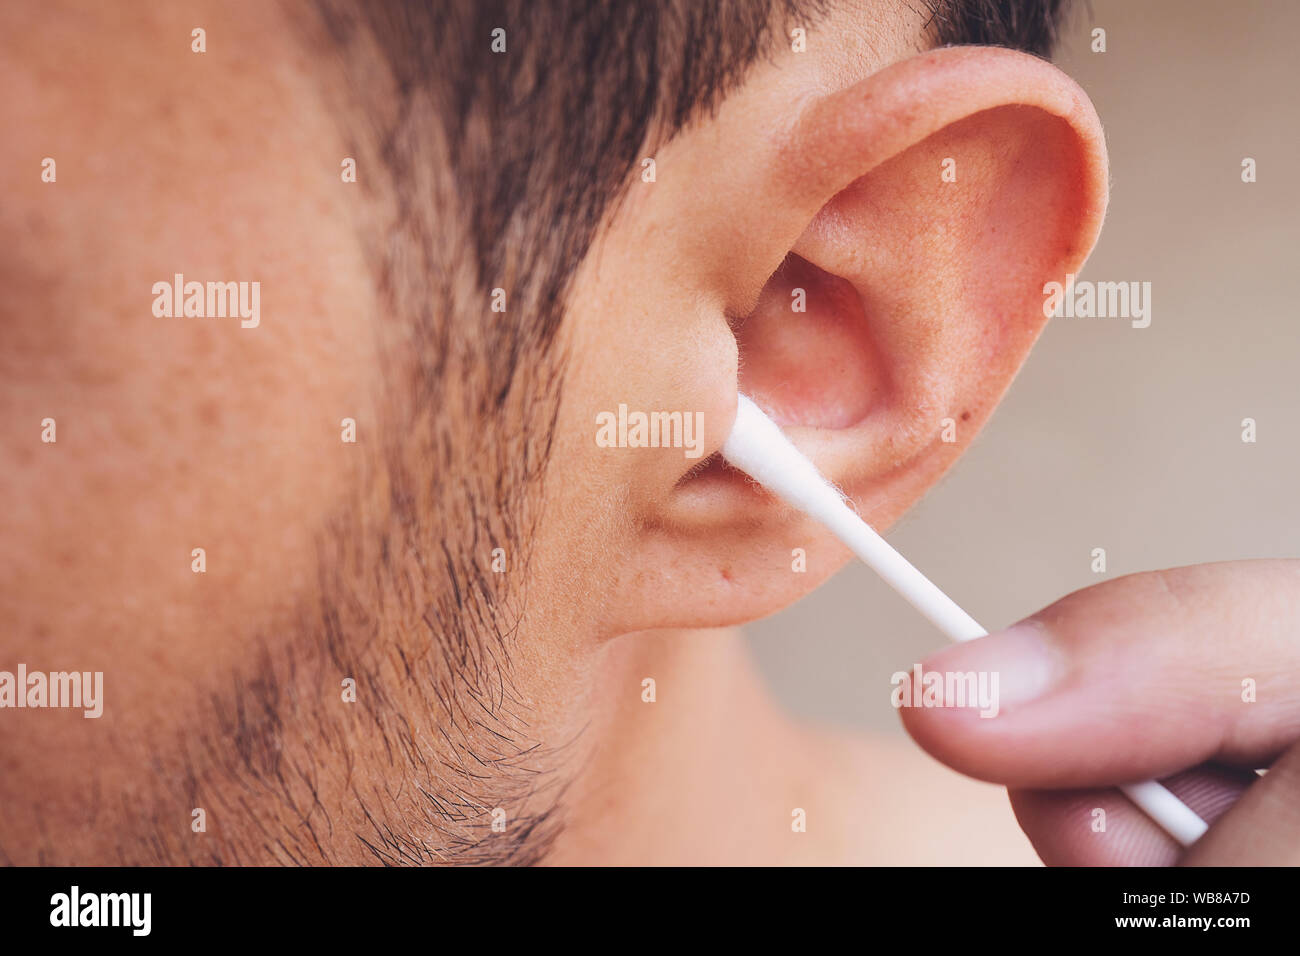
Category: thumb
[1132,679]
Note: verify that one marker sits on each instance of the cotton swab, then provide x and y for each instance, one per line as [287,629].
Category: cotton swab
[758,447]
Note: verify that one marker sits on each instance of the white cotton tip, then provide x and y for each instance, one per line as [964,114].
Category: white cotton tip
[758,447]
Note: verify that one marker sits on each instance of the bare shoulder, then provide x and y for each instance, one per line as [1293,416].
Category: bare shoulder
[894,805]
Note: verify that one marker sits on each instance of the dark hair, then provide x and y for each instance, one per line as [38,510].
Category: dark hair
[542,138]
[494,171]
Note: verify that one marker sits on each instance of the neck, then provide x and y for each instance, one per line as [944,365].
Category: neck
[708,771]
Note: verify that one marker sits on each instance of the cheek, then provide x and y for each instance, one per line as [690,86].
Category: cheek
[197,438]
[174,434]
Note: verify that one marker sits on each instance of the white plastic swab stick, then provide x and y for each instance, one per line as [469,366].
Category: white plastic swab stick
[758,447]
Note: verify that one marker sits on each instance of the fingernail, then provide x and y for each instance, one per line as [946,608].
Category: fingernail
[1023,662]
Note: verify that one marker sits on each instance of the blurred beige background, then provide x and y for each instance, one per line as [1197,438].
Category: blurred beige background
[1114,437]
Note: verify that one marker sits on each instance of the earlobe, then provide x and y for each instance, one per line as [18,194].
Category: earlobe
[921,211]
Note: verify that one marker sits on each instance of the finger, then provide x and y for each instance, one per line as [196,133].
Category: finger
[1262,828]
[1132,679]
[1100,827]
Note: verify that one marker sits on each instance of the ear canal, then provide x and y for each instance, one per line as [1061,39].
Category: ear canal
[759,448]
[807,353]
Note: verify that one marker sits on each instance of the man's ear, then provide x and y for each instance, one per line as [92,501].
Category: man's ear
[879,253]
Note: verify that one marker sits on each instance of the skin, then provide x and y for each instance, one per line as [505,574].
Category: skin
[170,436]
[1168,652]
[184,433]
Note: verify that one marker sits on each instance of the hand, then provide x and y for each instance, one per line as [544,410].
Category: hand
[1190,675]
